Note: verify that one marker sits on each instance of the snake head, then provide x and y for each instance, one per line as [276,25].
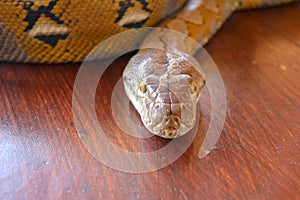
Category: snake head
[164,87]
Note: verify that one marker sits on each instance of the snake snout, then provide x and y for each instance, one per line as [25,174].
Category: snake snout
[170,130]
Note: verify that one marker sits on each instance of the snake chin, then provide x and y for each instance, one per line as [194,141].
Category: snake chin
[169,132]
[171,127]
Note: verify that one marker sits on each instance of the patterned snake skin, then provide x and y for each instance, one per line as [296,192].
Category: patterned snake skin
[58,31]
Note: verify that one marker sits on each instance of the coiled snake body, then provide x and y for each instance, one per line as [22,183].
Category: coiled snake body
[59,31]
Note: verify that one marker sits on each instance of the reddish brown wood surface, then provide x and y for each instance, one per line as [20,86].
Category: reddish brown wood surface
[258,154]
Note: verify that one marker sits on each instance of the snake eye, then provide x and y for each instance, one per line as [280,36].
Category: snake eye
[142,87]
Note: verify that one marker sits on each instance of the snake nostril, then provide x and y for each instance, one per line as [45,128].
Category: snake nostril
[177,120]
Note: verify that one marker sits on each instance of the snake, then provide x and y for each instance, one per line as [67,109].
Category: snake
[163,86]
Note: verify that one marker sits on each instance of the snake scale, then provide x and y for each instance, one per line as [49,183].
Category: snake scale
[163,86]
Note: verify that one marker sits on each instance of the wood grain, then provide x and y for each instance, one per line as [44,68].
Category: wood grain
[258,154]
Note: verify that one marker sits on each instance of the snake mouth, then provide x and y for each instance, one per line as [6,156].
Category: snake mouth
[170,130]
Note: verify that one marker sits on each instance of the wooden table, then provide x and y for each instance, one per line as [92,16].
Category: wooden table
[257,155]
